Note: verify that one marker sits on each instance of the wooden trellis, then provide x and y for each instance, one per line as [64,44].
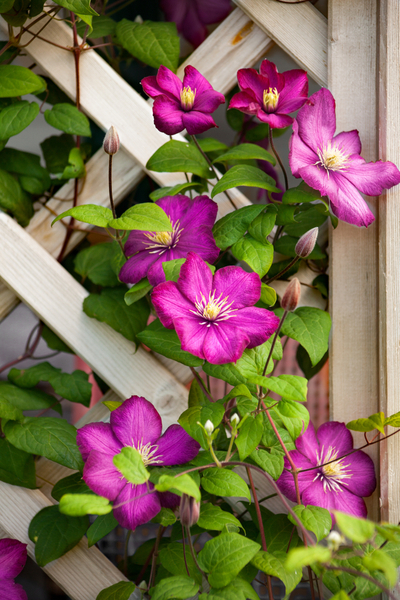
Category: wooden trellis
[356,59]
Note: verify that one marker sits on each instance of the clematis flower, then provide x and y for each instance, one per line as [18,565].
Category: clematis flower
[182,105]
[135,423]
[214,316]
[12,560]
[332,163]
[340,485]
[270,95]
[192,16]
[191,220]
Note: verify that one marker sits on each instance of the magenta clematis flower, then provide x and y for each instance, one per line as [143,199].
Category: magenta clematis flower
[332,163]
[214,317]
[192,222]
[135,423]
[339,485]
[12,560]
[192,16]
[182,105]
[270,95]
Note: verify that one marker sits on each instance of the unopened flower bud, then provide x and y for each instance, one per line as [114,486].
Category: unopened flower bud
[335,539]
[189,511]
[209,427]
[291,297]
[111,141]
[306,243]
[235,419]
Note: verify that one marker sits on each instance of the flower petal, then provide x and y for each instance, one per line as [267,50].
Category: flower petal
[170,303]
[295,92]
[136,421]
[201,241]
[169,500]
[201,211]
[318,178]
[137,242]
[348,142]
[363,480]
[347,203]
[97,436]
[249,79]
[274,120]
[12,558]
[308,445]
[9,590]
[342,500]
[167,115]
[176,447]
[137,266]
[213,12]
[197,122]
[240,287]
[246,102]
[317,120]
[191,334]
[208,101]
[286,481]
[195,80]
[373,177]
[193,29]
[136,510]
[300,155]
[151,87]
[336,435]
[175,11]
[225,342]
[258,324]
[100,474]
[169,82]
[195,279]
[276,80]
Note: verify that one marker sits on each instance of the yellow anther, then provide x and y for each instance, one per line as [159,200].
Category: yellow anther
[270,98]
[187,97]
[332,158]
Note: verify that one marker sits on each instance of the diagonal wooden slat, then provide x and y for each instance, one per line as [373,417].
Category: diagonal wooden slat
[299,29]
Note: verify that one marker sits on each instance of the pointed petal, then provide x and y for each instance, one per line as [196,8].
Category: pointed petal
[317,120]
[308,445]
[245,102]
[9,590]
[258,324]
[167,115]
[136,421]
[176,207]
[176,447]
[300,155]
[133,508]
[318,178]
[191,334]
[193,29]
[97,436]
[195,279]
[156,274]
[197,122]
[276,80]
[241,288]
[151,87]
[202,212]
[12,558]
[201,241]
[170,304]
[101,476]
[249,79]
[286,481]
[336,435]
[224,342]
[208,101]
[213,12]
[348,141]
[295,92]
[341,500]
[168,81]
[195,80]
[274,120]
[137,266]
[373,177]
[363,480]
[347,203]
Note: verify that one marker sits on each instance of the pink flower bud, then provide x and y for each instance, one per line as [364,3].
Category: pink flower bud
[306,243]
[291,297]
[189,510]
[111,141]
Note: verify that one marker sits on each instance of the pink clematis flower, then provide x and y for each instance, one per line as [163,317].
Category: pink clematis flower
[192,16]
[12,560]
[135,423]
[332,163]
[270,95]
[214,317]
[192,222]
[339,485]
[182,105]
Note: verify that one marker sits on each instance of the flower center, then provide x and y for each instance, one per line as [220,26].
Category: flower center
[213,309]
[332,158]
[163,240]
[270,98]
[187,97]
[147,452]
[331,475]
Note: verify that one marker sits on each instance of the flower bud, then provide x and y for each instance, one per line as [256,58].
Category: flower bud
[209,427]
[189,510]
[291,297]
[334,540]
[306,243]
[235,419]
[111,141]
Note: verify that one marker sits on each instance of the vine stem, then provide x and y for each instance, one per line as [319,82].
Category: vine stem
[201,384]
[155,555]
[278,158]
[28,351]
[289,266]
[184,550]
[110,192]
[274,341]
[192,551]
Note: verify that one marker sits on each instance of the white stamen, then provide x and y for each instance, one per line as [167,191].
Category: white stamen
[163,240]
[333,474]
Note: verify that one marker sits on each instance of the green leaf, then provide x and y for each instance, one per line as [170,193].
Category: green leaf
[234,225]
[393,420]
[25,164]
[16,117]
[54,533]
[178,587]
[79,7]
[341,595]
[53,341]
[19,14]
[172,268]
[274,564]
[17,81]
[137,291]
[154,43]
[183,484]
[270,463]
[165,517]
[262,225]
[73,484]
[268,295]
[314,518]
[214,518]
[304,362]
[33,185]
[249,435]
[286,214]
[56,150]
[118,591]
[190,418]
[129,462]
[180,188]
[245,152]
[235,119]
[95,263]
[14,199]
[286,245]
[88,213]
[259,132]
[290,387]
[16,467]
[76,167]
[68,118]
[172,559]
[227,372]
[252,362]
[8,411]
[48,436]
[379,560]
[257,255]
[72,386]
[109,307]
[165,341]
[5,7]
[294,416]
[177,156]
[144,217]
[270,441]
[196,395]
[222,482]
[357,530]
[78,505]
[376,421]
[238,390]
[27,400]
[102,26]
[307,217]
[301,557]
[223,557]
[102,526]
[112,404]
[300,194]
[238,589]
[389,532]
[244,175]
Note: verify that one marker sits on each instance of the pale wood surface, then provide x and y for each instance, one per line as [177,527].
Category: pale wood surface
[354,384]
[299,29]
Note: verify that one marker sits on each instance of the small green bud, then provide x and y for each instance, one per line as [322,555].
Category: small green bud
[209,427]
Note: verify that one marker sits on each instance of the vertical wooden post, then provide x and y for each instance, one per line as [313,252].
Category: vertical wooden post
[354,371]
[389,251]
